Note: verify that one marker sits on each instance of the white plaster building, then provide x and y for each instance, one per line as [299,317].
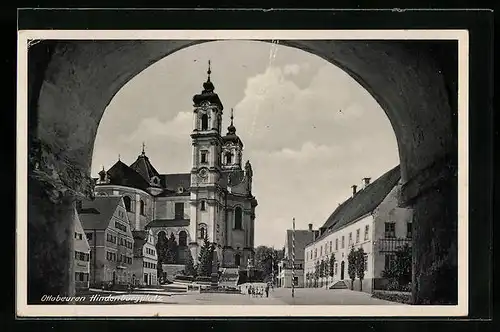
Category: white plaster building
[81,258]
[370,219]
[144,267]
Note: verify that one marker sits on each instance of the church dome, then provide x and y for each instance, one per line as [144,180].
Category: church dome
[208,93]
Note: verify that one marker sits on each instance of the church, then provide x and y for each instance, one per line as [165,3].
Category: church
[213,199]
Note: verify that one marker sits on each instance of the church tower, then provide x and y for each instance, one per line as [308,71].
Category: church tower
[232,149]
[206,196]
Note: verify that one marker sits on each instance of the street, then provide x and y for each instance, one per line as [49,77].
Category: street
[280,296]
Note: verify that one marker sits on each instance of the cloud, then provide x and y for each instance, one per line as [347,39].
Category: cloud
[153,129]
[309,129]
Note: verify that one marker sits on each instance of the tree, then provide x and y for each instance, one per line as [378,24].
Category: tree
[159,272]
[351,268]
[316,273]
[266,258]
[331,266]
[190,269]
[172,250]
[205,259]
[326,269]
[161,247]
[360,266]
[400,270]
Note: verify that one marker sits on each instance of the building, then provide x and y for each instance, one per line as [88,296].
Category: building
[81,256]
[302,238]
[145,262]
[106,225]
[370,219]
[213,199]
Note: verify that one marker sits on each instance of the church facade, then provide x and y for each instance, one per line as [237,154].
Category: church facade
[213,200]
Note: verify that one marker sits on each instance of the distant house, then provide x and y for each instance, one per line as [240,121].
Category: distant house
[81,256]
[107,228]
[145,258]
[371,219]
[285,275]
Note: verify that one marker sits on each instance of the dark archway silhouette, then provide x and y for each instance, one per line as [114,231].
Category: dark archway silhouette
[415,84]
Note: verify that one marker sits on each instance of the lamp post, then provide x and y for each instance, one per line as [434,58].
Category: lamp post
[293,258]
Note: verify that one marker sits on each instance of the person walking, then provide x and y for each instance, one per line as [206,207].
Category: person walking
[267,290]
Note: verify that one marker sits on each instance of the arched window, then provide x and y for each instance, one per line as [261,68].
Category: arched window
[182,239]
[204,122]
[229,158]
[203,231]
[237,259]
[202,205]
[238,216]
[128,203]
[142,207]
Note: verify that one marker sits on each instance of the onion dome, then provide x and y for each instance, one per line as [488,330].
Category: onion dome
[208,94]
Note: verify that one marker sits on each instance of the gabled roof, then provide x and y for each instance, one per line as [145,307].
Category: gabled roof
[143,166]
[302,239]
[364,201]
[121,174]
[96,213]
[168,223]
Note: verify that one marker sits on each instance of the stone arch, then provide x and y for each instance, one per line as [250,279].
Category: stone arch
[413,82]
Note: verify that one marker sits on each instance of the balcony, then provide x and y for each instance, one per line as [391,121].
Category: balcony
[391,244]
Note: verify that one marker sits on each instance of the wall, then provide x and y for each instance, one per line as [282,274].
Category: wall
[342,253]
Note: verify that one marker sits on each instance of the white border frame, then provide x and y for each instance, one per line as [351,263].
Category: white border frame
[163,310]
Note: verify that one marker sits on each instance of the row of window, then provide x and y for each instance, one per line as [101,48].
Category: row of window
[149,265]
[120,226]
[81,276]
[120,241]
[113,257]
[130,207]
[150,251]
[389,232]
[328,245]
[228,157]
[82,256]
[78,236]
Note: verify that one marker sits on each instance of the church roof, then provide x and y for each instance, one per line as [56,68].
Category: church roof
[96,213]
[172,182]
[143,166]
[231,133]
[208,93]
[168,223]
[363,202]
[123,175]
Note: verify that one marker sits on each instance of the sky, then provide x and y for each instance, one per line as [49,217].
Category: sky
[308,128]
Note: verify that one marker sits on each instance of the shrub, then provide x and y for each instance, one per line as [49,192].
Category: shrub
[183,277]
[393,285]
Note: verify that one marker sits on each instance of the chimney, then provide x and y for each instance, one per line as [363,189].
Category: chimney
[310,227]
[366,181]
[354,187]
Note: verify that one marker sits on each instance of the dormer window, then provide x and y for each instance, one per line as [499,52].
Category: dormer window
[155,180]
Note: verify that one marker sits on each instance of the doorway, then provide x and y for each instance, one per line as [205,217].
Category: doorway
[342,267]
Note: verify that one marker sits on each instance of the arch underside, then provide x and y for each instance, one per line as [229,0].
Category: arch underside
[82,77]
